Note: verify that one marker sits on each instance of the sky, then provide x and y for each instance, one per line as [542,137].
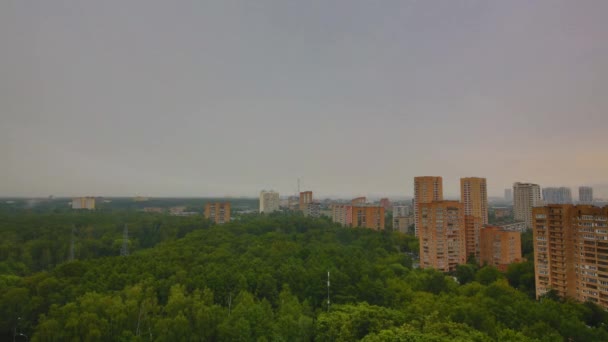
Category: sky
[354,97]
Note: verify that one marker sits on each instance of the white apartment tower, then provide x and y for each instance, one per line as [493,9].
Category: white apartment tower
[269,201]
[525,197]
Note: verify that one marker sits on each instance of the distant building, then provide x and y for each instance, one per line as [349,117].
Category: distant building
[305,199]
[358,200]
[571,252]
[368,216]
[403,218]
[177,211]
[269,201]
[401,211]
[502,212]
[313,209]
[403,223]
[525,197]
[557,195]
[218,212]
[426,190]
[474,199]
[442,235]
[499,247]
[513,226]
[141,199]
[508,195]
[293,203]
[153,210]
[342,214]
[359,215]
[83,203]
[385,203]
[585,195]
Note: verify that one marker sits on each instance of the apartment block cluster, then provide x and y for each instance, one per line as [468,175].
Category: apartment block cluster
[451,232]
[271,202]
[359,214]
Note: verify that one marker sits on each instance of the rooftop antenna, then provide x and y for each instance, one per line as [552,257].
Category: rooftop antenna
[124,250]
[298,187]
[328,301]
[72,243]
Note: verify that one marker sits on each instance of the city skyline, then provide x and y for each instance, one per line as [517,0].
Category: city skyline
[162,99]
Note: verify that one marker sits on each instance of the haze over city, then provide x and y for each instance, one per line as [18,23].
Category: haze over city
[217,98]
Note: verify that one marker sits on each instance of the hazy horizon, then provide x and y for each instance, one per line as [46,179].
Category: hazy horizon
[215,98]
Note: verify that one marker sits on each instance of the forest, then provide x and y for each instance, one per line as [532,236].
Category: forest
[259,278]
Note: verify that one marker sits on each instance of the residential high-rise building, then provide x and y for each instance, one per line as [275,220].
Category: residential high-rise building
[218,212]
[442,235]
[358,200]
[401,211]
[305,198]
[585,195]
[368,216]
[560,195]
[269,201]
[313,209]
[508,195]
[474,199]
[385,203]
[571,251]
[402,218]
[83,203]
[402,224]
[525,197]
[426,190]
[499,247]
[342,214]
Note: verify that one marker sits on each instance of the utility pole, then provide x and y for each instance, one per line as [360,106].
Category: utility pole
[124,250]
[328,301]
[72,243]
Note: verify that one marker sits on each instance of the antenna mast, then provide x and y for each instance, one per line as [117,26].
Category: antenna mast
[124,250]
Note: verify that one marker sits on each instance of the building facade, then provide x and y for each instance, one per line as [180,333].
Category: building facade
[509,195]
[571,252]
[385,203]
[313,209]
[358,200]
[474,199]
[342,214]
[442,235]
[585,195]
[560,195]
[83,203]
[218,212]
[305,199]
[499,247]
[401,211]
[368,216]
[402,224]
[269,201]
[501,212]
[426,190]
[525,197]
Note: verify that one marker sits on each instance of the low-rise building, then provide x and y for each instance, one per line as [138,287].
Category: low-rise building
[83,203]
[218,212]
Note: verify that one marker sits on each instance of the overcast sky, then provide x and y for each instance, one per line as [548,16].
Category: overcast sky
[202,98]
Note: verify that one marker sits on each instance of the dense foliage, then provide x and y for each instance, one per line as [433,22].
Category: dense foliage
[265,278]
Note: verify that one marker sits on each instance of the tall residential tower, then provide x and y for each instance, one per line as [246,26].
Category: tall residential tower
[426,190]
[525,197]
[474,199]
